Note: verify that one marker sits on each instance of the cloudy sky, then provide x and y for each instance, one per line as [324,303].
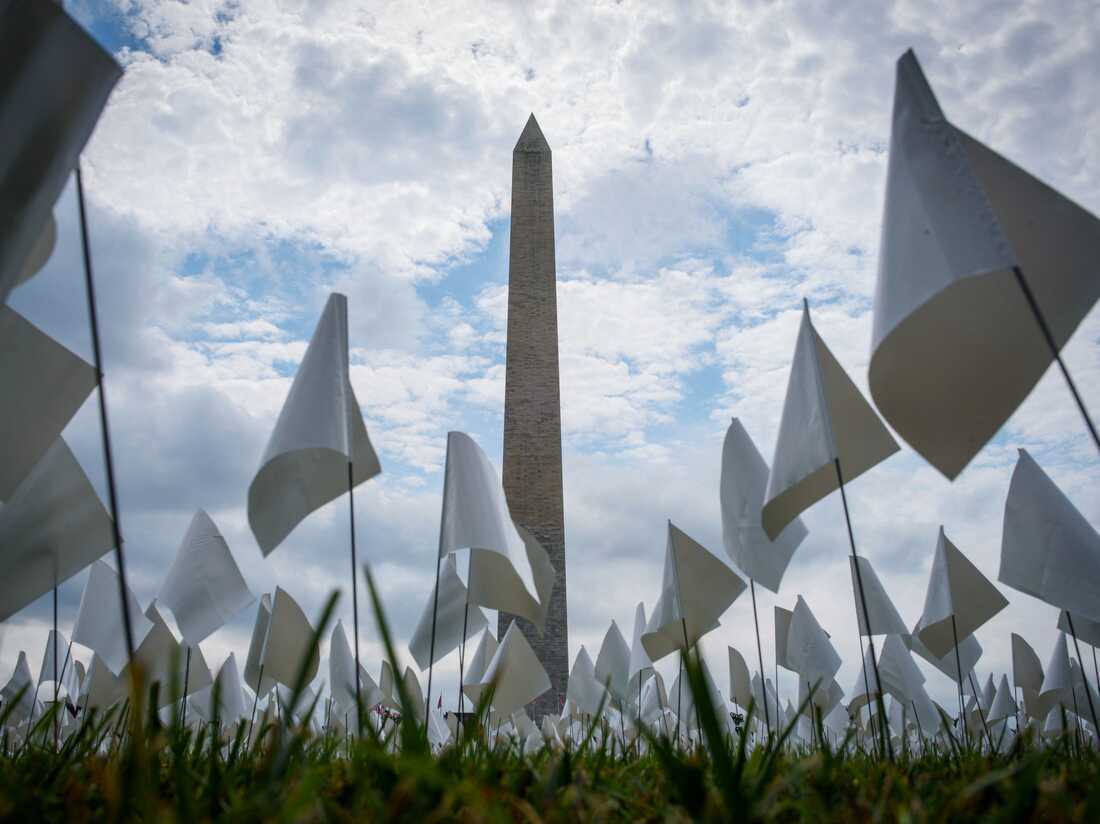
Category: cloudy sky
[714,164]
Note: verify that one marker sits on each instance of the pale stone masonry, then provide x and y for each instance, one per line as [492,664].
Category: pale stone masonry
[532,399]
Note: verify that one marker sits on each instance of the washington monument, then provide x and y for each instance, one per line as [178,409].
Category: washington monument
[532,399]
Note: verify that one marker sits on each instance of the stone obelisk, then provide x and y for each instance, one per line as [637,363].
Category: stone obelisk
[532,399]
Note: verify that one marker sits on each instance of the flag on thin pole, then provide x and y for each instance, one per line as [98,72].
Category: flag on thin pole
[319,431]
[44,384]
[56,82]
[1048,548]
[53,526]
[984,274]
[319,448]
[204,587]
[959,599]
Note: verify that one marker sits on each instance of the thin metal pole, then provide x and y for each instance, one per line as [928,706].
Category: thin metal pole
[760,656]
[679,696]
[462,646]
[981,711]
[959,670]
[355,597]
[1088,692]
[186,682]
[105,429]
[1034,304]
[57,721]
[1095,670]
[683,624]
[920,729]
[435,594]
[255,701]
[866,682]
[886,745]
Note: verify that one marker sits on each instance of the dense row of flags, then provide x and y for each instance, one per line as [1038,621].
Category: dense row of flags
[984,274]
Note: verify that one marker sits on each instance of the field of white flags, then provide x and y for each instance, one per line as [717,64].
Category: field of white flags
[984,275]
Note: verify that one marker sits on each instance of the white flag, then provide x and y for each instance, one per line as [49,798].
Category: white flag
[414,693]
[509,570]
[613,663]
[19,685]
[809,651]
[161,656]
[101,688]
[955,347]
[1084,628]
[99,625]
[969,652]
[782,630]
[583,689]
[884,617]
[517,672]
[287,643]
[319,432]
[1048,549]
[743,486]
[901,677]
[1004,705]
[57,80]
[1027,673]
[697,587]
[230,692]
[44,384]
[740,681]
[204,587]
[825,419]
[452,611]
[55,667]
[341,663]
[256,646]
[1058,678]
[959,599]
[639,660]
[476,666]
[50,529]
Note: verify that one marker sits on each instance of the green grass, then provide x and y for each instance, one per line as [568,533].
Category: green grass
[126,765]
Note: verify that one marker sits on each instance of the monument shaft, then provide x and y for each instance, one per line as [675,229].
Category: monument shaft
[532,468]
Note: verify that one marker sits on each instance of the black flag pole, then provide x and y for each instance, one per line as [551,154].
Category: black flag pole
[355,598]
[105,430]
[959,670]
[1033,304]
[186,682]
[887,747]
[760,657]
[57,677]
[462,645]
